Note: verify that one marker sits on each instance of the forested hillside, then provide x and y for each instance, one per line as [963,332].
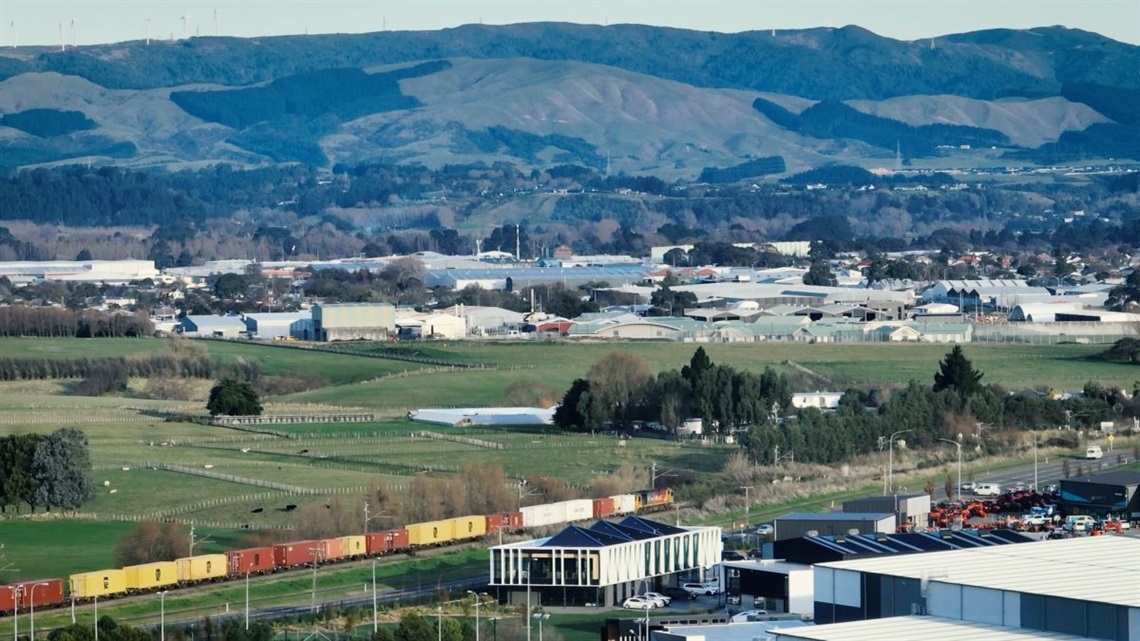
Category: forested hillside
[819,63]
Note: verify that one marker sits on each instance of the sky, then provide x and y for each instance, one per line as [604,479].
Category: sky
[26,22]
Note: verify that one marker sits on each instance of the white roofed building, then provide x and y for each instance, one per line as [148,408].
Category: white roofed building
[1087,587]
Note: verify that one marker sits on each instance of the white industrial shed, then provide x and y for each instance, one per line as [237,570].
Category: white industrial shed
[909,628]
[272,326]
[211,326]
[1042,312]
[1088,586]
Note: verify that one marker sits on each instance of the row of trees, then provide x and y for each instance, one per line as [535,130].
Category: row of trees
[47,471]
[182,366]
[956,403]
[620,389]
[54,322]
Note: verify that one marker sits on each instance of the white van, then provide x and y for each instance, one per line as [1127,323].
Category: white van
[1079,523]
[987,489]
[1093,452]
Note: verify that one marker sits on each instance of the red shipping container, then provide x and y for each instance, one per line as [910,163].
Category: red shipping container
[45,592]
[288,555]
[252,560]
[7,599]
[506,521]
[41,593]
[386,541]
[603,508]
[334,549]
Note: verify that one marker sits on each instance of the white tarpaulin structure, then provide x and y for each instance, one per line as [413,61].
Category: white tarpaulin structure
[464,416]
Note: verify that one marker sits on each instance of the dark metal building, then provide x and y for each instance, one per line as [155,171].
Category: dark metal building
[1110,493]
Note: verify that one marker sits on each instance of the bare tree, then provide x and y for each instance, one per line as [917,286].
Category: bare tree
[619,381]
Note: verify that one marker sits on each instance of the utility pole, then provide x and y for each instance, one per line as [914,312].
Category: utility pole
[316,551]
[958,444]
[747,505]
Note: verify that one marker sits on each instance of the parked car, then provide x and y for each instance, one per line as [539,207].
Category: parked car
[968,487]
[765,530]
[731,555]
[1079,523]
[638,603]
[756,553]
[661,599]
[749,615]
[704,588]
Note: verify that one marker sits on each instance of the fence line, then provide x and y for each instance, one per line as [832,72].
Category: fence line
[138,518]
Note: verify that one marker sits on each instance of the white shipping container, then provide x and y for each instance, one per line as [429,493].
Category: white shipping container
[579,510]
[546,514]
[624,504]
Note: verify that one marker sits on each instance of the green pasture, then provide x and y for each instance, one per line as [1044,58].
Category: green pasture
[126,431]
[558,364]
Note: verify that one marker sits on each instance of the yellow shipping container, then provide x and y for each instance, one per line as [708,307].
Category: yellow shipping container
[430,533]
[94,584]
[149,576]
[353,546]
[201,568]
[469,527]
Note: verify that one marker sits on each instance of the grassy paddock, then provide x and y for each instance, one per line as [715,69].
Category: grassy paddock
[344,455]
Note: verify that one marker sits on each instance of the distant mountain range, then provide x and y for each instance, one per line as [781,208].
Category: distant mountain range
[637,99]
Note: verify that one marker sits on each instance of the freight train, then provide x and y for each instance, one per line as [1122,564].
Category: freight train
[204,568]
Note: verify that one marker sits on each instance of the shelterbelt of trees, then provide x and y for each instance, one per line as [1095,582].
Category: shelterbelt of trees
[619,389]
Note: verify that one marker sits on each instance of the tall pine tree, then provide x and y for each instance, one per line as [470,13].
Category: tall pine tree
[957,373]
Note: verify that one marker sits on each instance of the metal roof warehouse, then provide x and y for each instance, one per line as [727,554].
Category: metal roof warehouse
[1088,586]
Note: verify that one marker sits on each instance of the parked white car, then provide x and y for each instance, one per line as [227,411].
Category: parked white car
[749,615]
[638,603]
[660,599]
[705,588]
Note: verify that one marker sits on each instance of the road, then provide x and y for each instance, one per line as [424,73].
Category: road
[1048,471]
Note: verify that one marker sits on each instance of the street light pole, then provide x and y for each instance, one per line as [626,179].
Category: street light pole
[1035,460]
[957,444]
[247,598]
[478,597]
[540,617]
[439,622]
[32,615]
[891,458]
[375,619]
[96,618]
[162,616]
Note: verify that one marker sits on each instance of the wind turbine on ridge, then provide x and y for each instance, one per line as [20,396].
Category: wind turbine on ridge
[185,31]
